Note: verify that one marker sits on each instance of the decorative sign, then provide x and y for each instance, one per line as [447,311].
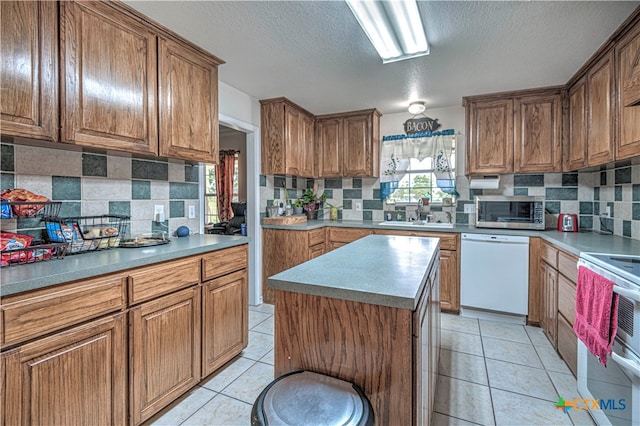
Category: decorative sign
[420,125]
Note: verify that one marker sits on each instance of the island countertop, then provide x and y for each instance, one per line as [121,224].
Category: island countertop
[377,269]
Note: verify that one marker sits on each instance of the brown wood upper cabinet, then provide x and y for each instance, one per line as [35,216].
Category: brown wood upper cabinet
[575,147]
[29,51]
[490,128]
[126,83]
[287,138]
[514,132]
[628,106]
[349,144]
[538,131]
[600,96]
[109,78]
[188,93]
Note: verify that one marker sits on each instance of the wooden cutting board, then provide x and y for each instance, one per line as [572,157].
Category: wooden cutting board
[285,220]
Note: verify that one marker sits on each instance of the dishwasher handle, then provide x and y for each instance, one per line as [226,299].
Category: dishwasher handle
[495,238]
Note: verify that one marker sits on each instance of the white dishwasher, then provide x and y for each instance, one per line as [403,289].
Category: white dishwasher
[494,273]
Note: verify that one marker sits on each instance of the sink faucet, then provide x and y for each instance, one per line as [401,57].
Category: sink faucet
[449,217]
[419,210]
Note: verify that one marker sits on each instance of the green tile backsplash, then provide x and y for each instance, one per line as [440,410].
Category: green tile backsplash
[91,184]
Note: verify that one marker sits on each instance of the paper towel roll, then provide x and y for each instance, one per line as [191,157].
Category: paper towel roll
[485,182]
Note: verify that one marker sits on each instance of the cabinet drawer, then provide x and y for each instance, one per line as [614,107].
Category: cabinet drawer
[316,251]
[29,316]
[568,344]
[549,254]
[153,281]
[567,299]
[225,261]
[316,237]
[347,235]
[567,266]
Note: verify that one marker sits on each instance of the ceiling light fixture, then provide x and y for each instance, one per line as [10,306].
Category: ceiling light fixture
[394,27]
[417,107]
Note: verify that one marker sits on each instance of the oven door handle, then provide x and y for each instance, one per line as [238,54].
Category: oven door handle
[629,294]
[626,363]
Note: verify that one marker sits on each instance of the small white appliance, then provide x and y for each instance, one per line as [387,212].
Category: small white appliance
[494,275]
[616,388]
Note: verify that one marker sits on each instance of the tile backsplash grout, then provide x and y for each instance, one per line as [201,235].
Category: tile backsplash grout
[91,184]
[584,193]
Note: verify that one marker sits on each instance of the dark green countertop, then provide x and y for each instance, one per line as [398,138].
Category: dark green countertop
[20,278]
[572,242]
[377,269]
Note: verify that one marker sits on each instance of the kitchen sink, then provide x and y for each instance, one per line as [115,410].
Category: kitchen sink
[417,224]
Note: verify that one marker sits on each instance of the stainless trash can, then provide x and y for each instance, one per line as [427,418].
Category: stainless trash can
[308,398]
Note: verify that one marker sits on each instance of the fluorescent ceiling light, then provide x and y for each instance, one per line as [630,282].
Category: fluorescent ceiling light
[394,27]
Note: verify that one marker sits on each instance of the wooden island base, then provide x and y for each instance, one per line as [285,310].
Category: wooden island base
[391,353]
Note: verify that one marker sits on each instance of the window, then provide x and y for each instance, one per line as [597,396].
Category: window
[418,182]
[210,198]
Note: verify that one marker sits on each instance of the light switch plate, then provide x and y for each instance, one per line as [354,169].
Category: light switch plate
[192,212]
[469,208]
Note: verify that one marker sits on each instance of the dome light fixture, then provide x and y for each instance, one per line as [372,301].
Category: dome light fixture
[417,107]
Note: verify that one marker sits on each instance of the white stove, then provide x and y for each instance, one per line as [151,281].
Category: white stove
[624,265]
[618,385]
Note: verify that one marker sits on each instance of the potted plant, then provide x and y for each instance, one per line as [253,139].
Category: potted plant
[297,207]
[311,203]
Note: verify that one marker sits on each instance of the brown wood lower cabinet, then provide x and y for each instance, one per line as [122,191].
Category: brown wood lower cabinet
[225,319]
[283,249]
[557,279]
[165,351]
[75,377]
[78,353]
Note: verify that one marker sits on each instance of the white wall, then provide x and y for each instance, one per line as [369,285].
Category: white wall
[449,118]
[242,112]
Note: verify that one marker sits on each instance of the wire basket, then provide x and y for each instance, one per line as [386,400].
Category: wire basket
[30,208]
[87,233]
[33,254]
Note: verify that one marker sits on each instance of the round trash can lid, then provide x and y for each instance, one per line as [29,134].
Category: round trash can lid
[309,398]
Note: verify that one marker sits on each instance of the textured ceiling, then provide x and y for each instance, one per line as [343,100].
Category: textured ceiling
[314,52]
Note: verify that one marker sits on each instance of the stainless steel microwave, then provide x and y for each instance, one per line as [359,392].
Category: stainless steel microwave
[510,212]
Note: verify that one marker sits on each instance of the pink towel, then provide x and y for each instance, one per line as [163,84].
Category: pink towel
[596,321]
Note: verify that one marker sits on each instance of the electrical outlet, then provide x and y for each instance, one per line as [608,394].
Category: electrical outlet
[358,206]
[469,208]
[608,211]
[192,212]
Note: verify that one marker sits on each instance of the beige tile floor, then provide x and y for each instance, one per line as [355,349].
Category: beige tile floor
[491,373]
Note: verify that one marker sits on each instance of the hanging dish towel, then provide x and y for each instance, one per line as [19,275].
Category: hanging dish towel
[596,321]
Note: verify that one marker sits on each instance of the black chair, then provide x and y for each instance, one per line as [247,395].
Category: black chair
[232,227]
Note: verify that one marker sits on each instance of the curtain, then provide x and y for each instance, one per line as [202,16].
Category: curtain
[397,150]
[224,184]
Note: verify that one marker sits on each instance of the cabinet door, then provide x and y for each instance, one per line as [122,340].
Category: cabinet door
[538,130]
[328,142]
[29,73]
[576,150]
[292,142]
[549,282]
[77,377]
[490,130]
[358,147]
[308,155]
[164,351]
[108,78]
[599,104]
[568,344]
[188,93]
[225,316]
[449,283]
[628,68]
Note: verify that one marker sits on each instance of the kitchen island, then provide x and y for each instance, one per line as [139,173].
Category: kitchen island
[368,313]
